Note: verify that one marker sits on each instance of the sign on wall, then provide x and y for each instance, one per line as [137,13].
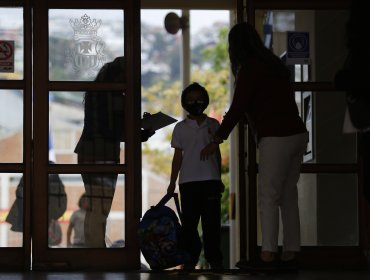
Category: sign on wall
[6,56]
[298,48]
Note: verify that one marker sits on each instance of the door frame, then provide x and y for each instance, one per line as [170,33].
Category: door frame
[44,258]
[17,258]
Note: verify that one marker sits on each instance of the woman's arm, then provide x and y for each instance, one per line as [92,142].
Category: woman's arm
[236,112]
[238,105]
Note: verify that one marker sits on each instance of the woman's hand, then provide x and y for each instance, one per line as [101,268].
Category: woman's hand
[208,150]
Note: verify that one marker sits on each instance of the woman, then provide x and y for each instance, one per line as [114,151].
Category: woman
[264,95]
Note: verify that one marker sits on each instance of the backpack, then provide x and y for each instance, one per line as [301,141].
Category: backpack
[57,197]
[160,236]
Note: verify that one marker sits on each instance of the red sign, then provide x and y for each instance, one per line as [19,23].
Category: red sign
[7,56]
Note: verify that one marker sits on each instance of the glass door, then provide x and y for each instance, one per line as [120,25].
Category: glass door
[15,134]
[310,38]
[70,134]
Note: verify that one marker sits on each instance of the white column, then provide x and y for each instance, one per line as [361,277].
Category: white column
[186,52]
[4,204]
[145,191]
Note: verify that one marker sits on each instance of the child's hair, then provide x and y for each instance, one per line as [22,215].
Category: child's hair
[195,87]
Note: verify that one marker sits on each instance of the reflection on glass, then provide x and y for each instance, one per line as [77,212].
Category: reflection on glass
[11,209]
[104,119]
[328,208]
[86,127]
[94,215]
[57,205]
[11,126]
[76,226]
[82,41]
[11,30]
[324,116]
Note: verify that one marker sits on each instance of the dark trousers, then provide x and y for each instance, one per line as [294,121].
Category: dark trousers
[202,199]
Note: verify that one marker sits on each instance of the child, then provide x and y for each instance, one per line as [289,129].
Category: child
[76,224]
[199,181]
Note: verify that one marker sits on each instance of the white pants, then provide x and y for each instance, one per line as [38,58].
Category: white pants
[279,169]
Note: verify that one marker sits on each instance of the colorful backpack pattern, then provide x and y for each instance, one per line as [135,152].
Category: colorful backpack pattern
[160,236]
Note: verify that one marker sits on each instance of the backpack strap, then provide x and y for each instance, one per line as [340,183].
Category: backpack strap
[167,198]
[164,199]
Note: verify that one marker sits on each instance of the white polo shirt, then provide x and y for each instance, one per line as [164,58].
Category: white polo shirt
[191,139]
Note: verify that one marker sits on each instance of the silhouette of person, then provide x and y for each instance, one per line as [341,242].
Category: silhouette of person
[57,203]
[263,94]
[100,144]
[77,224]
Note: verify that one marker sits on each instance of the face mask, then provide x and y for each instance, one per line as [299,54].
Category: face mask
[195,109]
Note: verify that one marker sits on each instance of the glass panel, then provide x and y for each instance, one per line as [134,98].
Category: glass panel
[328,206]
[11,51]
[321,53]
[81,41]
[329,143]
[11,126]
[86,124]
[330,139]
[11,210]
[86,210]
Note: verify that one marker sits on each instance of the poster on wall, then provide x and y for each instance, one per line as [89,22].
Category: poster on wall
[6,56]
[298,48]
[307,117]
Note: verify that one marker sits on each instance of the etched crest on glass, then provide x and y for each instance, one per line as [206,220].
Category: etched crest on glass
[87,52]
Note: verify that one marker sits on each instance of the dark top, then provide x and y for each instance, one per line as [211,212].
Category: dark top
[103,126]
[104,115]
[267,101]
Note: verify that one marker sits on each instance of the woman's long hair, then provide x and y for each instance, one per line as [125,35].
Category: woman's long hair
[244,43]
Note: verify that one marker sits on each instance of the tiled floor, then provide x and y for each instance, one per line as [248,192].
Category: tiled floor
[198,275]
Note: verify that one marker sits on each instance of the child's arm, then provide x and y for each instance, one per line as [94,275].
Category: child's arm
[176,165]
